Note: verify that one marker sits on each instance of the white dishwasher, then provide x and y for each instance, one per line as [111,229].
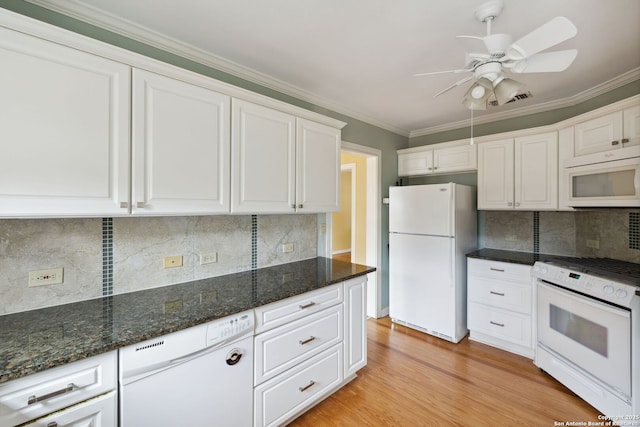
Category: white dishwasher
[200,376]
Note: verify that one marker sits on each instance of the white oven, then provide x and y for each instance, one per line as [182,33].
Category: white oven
[613,183]
[588,333]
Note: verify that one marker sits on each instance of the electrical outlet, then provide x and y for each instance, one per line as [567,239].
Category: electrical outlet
[593,243]
[46,277]
[172,306]
[208,258]
[287,247]
[511,237]
[172,261]
[287,277]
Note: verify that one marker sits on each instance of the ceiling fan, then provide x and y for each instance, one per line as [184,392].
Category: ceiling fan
[500,53]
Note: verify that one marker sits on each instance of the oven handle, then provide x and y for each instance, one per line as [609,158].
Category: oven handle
[544,287]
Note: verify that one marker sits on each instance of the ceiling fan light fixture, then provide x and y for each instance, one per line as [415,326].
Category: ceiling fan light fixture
[478,94]
[506,89]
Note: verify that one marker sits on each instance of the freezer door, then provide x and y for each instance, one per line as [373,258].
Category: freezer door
[422,209]
[421,282]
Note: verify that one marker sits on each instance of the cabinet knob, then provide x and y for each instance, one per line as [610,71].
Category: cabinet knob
[518,204]
[124,205]
[615,142]
[300,206]
[510,204]
[140,205]
[435,167]
[625,141]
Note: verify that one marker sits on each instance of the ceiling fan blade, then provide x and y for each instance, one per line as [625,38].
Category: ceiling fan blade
[462,70]
[550,34]
[456,84]
[545,62]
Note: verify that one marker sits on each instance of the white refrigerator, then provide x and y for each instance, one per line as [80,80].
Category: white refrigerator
[431,229]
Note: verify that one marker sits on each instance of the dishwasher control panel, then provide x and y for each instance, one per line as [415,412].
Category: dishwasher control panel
[238,325]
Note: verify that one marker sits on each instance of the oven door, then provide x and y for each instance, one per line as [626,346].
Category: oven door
[591,335]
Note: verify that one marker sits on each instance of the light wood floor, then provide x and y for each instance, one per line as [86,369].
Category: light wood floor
[345,256]
[413,379]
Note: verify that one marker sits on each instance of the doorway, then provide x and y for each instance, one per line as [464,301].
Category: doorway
[361,170]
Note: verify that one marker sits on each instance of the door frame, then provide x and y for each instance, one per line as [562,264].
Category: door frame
[374,223]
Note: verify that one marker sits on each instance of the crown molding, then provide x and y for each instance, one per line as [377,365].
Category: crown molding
[126,28]
[586,95]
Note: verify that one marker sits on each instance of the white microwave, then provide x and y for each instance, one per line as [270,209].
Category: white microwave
[607,184]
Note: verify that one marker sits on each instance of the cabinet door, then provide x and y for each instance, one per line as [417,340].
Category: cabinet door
[597,135]
[64,126]
[455,159]
[181,147]
[355,325]
[536,172]
[413,164]
[495,174]
[263,159]
[318,167]
[631,123]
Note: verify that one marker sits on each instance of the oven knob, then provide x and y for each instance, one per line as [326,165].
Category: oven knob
[621,293]
[608,290]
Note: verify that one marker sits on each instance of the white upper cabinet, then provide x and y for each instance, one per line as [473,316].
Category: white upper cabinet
[613,131]
[520,173]
[536,172]
[263,159]
[318,167]
[64,127]
[437,160]
[495,174]
[181,147]
[282,164]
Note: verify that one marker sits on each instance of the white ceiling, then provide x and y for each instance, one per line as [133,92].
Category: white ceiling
[358,57]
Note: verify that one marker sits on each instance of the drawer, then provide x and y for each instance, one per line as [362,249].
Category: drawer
[289,394]
[100,411]
[499,270]
[282,348]
[502,324]
[500,294]
[282,312]
[56,388]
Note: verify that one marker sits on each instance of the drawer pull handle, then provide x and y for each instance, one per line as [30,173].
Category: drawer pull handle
[500,270]
[497,324]
[35,399]
[303,306]
[52,424]
[496,293]
[307,341]
[308,386]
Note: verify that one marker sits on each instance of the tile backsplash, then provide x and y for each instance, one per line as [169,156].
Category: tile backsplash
[604,233]
[103,256]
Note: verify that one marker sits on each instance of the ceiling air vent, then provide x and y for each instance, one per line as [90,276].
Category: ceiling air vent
[518,97]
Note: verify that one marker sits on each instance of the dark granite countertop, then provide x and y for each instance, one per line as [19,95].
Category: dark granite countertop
[527,258]
[36,340]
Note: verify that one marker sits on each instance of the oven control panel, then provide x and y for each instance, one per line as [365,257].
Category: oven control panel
[604,289]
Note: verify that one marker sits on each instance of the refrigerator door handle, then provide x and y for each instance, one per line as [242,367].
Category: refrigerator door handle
[452,264]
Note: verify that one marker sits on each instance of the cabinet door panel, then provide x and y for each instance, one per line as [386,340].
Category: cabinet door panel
[64,123]
[495,175]
[263,159]
[536,166]
[181,147]
[318,167]
[455,159]
[412,164]
[598,134]
[631,122]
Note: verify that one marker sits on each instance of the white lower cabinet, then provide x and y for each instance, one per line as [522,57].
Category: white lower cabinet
[284,397]
[500,305]
[306,347]
[80,393]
